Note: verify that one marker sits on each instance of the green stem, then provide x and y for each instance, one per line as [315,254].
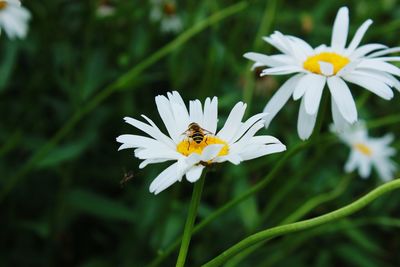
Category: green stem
[383,121]
[187,233]
[303,225]
[123,82]
[296,215]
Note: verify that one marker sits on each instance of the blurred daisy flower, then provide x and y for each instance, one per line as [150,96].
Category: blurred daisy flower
[367,152]
[14,19]
[366,66]
[192,141]
[164,11]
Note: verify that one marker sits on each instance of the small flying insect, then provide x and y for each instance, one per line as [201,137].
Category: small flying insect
[196,133]
[127,176]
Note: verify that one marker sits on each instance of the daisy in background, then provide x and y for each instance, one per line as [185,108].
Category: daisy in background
[193,142]
[334,65]
[367,152]
[164,11]
[14,19]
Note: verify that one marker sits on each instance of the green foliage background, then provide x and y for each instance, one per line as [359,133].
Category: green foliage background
[67,208]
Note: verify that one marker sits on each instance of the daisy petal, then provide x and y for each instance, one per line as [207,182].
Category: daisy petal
[165,179]
[375,86]
[194,173]
[358,36]
[280,98]
[344,100]
[233,122]
[340,29]
[312,96]
[305,122]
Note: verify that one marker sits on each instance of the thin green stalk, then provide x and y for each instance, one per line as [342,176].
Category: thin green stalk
[306,224]
[383,121]
[318,200]
[123,82]
[187,233]
[265,27]
[298,214]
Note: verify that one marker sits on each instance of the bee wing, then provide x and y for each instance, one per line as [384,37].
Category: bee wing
[207,131]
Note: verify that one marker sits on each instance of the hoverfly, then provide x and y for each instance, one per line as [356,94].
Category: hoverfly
[196,133]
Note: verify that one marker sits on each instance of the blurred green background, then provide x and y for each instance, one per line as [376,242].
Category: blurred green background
[62,203]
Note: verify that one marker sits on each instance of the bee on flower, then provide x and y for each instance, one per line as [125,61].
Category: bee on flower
[366,66]
[14,19]
[367,152]
[193,142]
[165,12]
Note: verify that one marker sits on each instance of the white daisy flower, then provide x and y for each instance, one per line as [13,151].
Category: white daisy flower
[365,65]
[191,151]
[14,18]
[164,11]
[367,152]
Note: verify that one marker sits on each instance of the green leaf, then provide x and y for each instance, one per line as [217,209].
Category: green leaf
[93,204]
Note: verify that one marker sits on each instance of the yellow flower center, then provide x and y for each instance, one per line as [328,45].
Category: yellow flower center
[363,149]
[3,4]
[189,146]
[338,62]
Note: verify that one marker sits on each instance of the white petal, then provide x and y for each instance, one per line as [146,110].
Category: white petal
[262,151]
[358,36]
[364,167]
[312,96]
[165,111]
[340,122]
[351,163]
[264,60]
[233,122]
[375,86]
[151,161]
[385,52]
[196,112]
[211,115]
[326,68]
[365,49]
[280,98]
[232,158]
[340,29]
[343,98]
[303,85]
[282,70]
[152,131]
[377,64]
[165,179]
[210,152]
[305,122]
[194,173]
[245,126]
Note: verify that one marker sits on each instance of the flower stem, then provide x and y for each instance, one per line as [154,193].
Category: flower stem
[303,225]
[187,233]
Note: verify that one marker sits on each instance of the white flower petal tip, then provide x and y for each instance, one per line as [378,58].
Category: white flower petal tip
[192,143]
[14,19]
[367,152]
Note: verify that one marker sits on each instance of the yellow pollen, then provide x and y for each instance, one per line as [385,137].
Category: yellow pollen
[338,62]
[3,4]
[188,146]
[363,149]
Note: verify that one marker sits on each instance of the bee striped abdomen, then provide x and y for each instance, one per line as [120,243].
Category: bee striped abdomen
[197,137]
